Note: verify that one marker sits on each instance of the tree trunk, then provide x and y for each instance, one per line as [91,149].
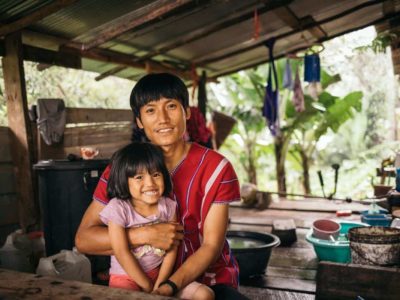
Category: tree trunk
[280,155]
[252,173]
[251,169]
[306,176]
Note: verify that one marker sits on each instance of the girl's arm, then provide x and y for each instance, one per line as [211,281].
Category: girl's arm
[167,264]
[92,236]
[120,246]
[215,227]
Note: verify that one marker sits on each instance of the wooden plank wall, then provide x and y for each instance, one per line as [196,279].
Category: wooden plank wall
[104,129]
[8,199]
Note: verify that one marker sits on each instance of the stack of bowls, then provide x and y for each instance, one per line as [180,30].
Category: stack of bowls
[330,240]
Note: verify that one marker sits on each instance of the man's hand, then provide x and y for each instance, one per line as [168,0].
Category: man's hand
[162,235]
[165,235]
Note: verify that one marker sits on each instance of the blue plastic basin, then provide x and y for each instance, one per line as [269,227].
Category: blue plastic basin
[338,251]
[380,219]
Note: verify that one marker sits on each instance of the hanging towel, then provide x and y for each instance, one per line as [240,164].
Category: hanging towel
[270,108]
[287,76]
[298,96]
[51,120]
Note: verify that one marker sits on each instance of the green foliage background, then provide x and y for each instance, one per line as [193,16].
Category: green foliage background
[76,87]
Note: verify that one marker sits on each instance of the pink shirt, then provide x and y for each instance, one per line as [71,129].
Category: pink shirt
[122,212]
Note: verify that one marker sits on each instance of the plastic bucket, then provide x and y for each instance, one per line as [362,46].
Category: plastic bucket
[375,245]
[325,229]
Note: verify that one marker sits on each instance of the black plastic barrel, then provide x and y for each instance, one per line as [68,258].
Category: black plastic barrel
[65,191]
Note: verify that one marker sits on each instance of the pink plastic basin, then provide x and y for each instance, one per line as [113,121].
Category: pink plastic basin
[324,229]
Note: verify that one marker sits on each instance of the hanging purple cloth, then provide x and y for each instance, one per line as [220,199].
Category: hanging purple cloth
[298,96]
[270,108]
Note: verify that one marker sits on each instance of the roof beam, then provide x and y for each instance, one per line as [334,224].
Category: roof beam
[232,19]
[251,44]
[35,16]
[290,18]
[58,54]
[125,60]
[154,25]
[110,30]
[300,48]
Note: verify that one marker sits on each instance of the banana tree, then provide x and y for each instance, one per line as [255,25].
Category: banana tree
[306,128]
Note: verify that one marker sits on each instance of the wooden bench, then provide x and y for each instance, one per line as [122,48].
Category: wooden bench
[348,281]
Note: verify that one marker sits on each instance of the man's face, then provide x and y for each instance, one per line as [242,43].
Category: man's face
[163,121]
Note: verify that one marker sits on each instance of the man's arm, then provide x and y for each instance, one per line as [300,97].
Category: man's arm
[215,226]
[92,235]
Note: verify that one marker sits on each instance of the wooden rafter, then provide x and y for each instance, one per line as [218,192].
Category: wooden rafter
[300,48]
[110,30]
[251,44]
[166,20]
[241,15]
[35,16]
[290,18]
[125,60]
[70,57]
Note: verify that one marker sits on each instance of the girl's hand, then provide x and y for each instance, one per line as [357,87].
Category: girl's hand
[147,286]
[164,290]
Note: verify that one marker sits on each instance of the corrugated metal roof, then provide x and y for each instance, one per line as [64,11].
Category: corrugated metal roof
[214,35]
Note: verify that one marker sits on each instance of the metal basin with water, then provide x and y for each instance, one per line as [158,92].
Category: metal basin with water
[252,250]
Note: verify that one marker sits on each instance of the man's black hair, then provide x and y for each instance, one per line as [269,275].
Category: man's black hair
[129,161]
[154,86]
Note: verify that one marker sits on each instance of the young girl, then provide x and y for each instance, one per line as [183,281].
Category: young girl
[138,185]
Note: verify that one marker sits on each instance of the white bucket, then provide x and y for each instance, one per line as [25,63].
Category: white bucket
[67,264]
[21,252]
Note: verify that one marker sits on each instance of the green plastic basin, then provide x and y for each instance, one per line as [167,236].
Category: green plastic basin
[338,251]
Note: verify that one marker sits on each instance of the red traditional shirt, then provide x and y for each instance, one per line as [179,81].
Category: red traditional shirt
[202,179]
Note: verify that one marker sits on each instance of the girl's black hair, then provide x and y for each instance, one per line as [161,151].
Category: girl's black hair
[132,159]
[154,86]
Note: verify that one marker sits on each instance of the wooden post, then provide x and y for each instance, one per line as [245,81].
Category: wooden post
[21,140]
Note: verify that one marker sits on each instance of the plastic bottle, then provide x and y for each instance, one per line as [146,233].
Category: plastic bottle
[67,264]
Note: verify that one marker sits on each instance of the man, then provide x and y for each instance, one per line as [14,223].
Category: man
[204,183]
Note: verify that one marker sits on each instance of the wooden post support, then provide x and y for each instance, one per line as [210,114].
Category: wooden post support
[21,140]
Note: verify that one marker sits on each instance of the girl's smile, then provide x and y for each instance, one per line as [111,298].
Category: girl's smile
[146,188]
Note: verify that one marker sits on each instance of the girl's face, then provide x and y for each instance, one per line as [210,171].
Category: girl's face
[146,188]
